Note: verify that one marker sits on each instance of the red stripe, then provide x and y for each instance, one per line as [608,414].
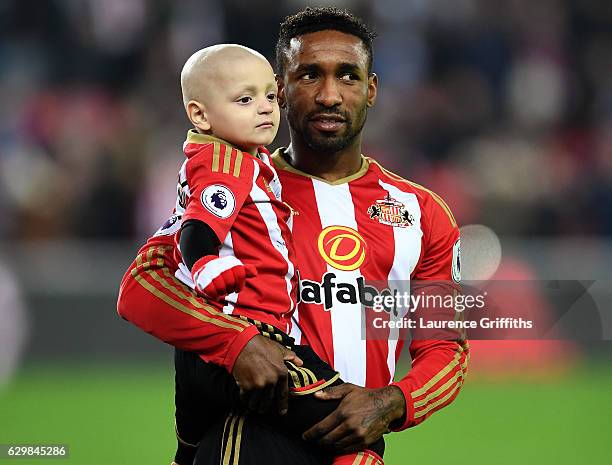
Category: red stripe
[380,254]
[310,386]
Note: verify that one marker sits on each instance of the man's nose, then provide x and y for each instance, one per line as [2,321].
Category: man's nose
[329,94]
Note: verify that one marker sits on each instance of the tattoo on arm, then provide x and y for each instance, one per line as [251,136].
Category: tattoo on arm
[383,407]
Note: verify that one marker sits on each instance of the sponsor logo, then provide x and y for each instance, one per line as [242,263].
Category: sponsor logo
[379,296]
[342,247]
[327,292]
[456,266]
[218,200]
[391,212]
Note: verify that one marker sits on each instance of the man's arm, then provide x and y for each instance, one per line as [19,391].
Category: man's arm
[439,358]
[154,300]
[438,371]
[362,417]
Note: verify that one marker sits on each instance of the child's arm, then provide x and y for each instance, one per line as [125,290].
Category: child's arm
[216,182]
[214,277]
[197,240]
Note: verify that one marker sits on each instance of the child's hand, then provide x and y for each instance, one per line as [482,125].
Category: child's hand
[215,277]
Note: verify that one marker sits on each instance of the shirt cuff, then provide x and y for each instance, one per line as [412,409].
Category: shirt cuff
[236,346]
[409,419]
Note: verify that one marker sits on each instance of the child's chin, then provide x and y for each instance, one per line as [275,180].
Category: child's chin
[266,142]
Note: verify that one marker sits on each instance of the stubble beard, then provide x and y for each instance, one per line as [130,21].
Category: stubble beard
[332,143]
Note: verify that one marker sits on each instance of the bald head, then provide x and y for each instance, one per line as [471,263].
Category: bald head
[210,67]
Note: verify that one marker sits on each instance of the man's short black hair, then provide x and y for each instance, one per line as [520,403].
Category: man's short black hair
[321,19]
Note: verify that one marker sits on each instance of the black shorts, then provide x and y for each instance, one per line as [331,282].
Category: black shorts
[206,392]
[314,375]
[253,440]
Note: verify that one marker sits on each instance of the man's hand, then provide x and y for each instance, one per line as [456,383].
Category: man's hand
[362,417]
[215,277]
[262,376]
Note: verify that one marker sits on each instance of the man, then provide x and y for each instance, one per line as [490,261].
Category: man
[353,221]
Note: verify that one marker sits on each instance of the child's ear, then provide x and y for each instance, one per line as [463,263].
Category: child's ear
[281,91]
[196,112]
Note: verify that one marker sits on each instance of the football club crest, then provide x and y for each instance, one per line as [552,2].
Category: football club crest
[391,212]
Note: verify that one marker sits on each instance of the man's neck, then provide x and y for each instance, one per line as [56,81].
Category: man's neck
[330,166]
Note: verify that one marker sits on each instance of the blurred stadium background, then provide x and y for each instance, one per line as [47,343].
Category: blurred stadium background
[503,108]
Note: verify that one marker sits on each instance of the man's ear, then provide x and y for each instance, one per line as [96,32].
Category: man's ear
[196,112]
[372,89]
[282,102]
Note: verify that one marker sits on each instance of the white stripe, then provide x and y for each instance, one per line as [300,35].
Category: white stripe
[275,184]
[182,177]
[264,206]
[184,275]
[227,249]
[296,332]
[213,269]
[335,206]
[407,251]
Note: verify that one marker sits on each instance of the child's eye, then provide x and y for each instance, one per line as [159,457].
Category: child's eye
[245,99]
[272,97]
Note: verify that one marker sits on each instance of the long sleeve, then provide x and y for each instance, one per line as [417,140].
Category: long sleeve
[439,357]
[437,374]
[154,300]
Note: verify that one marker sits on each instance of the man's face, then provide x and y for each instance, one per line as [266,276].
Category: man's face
[327,89]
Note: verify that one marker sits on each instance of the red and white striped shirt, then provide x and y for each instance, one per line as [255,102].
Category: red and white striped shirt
[373,226]
[239,197]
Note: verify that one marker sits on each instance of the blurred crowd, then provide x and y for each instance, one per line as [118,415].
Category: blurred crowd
[503,108]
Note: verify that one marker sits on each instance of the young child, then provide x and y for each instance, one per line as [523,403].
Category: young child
[234,239]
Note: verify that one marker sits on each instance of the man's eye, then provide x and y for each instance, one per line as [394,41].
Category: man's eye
[245,100]
[307,76]
[349,77]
